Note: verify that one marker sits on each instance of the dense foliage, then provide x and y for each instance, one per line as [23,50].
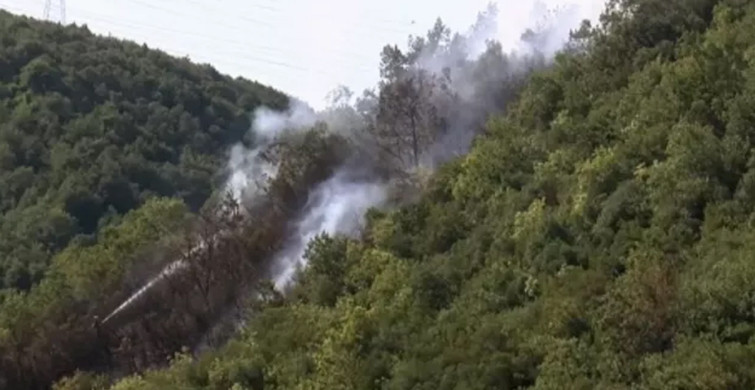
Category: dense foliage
[599,236]
[56,327]
[91,127]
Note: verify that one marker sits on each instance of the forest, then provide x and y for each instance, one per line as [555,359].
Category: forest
[92,127]
[595,235]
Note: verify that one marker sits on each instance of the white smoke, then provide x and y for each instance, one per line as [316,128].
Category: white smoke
[503,45]
[268,123]
[550,21]
[555,17]
[249,173]
[249,170]
[336,207]
[554,22]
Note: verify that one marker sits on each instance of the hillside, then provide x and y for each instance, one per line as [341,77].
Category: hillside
[92,127]
[115,164]
[598,236]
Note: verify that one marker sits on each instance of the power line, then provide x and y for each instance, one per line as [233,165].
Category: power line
[172,11]
[241,48]
[237,52]
[55,11]
[244,45]
[364,28]
[355,58]
[240,52]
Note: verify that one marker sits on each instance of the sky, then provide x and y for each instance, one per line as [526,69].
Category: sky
[303,47]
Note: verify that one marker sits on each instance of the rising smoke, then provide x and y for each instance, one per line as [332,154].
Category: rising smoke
[336,206]
[248,167]
[472,76]
[479,80]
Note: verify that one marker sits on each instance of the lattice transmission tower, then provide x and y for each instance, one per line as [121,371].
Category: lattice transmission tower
[55,11]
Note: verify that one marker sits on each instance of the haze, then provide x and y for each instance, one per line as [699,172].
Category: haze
[304,48]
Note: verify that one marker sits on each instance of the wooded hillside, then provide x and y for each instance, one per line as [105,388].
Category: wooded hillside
[599,236]
[91,127]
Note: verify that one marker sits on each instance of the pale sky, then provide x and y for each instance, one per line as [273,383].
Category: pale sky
[302,47]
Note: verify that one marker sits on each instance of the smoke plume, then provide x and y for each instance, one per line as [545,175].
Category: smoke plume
[478,79]
[336,207]
[248,167]
[464,79]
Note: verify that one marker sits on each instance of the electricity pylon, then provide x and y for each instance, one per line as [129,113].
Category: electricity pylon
[55,11]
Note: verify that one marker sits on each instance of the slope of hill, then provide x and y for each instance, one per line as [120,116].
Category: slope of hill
[597,237]
[91,127]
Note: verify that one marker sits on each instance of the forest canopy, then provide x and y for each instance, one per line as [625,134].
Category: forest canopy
[598,235]
[91,127]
